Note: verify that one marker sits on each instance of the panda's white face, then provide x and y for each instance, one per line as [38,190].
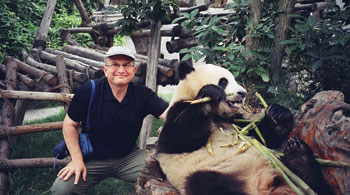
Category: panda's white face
[189,87]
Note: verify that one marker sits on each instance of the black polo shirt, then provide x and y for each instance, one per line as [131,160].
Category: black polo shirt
[114,126]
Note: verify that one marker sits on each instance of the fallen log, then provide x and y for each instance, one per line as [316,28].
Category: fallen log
[34,95]
[178,44]
[84,52]
[32,163]
[86,61]
[80,77]
[323,123]
[26,80]
[81,67]
[25,129]
[37,73]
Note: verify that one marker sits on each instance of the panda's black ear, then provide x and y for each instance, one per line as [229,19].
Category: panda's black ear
[183,69]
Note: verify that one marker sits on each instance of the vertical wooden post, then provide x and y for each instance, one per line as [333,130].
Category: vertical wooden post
[62,76]
[40,41]
[7,117]
[151,77]
[84,16]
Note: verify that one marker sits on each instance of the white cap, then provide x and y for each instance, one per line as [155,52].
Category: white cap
[118,50]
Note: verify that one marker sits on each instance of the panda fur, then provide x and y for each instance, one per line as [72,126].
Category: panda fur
[182,151]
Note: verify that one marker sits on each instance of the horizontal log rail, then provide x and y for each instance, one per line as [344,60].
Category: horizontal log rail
[35,95]
[32,163]
[25,129]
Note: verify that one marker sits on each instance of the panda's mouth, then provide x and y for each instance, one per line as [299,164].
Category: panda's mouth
[234,101]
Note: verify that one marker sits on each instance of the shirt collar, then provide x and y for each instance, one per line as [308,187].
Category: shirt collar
[109,95]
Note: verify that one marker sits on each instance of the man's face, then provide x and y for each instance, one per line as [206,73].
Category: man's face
[119,70]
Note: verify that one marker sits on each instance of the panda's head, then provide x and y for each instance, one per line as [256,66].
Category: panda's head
[192,79]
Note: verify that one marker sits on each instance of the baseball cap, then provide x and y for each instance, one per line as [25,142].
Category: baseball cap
[118,50]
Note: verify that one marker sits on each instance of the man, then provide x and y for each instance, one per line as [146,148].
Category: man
[116,116]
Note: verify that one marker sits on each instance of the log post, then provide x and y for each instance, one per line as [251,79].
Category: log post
[84,16]
[7,117]
[151,77]
[40,41]
[178,44]
[282,26]
[62,77]
[84,52]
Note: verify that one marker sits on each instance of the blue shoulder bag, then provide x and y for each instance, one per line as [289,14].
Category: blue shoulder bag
[60,151]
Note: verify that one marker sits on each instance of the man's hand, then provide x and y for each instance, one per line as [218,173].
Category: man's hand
[76,168]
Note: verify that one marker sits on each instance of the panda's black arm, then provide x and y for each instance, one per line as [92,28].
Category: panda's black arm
[275,126]
[186,129]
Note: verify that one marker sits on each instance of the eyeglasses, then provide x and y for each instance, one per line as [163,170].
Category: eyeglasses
[117,66]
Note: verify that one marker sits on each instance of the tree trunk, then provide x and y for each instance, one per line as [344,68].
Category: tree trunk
[151,77]
[7,117]
[40,41]
[25,129]
[252,43]
[34,95]
[281,30]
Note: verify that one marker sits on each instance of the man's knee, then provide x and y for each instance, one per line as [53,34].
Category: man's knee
[61,187]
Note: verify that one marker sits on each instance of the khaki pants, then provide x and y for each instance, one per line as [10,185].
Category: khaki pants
[126,168]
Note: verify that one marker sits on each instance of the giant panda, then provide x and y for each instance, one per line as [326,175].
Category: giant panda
[184,157]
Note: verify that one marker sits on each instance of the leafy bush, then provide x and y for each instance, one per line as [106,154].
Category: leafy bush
[20,22]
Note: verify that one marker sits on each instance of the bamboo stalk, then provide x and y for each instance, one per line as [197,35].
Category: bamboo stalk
[205,99]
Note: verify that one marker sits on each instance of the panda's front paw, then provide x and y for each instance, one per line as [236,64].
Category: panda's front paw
[281,118]
[213,91]
[299,158]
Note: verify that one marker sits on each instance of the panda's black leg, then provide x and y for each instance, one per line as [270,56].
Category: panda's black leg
[300,159]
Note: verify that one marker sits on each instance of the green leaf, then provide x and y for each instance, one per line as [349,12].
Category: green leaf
[194,13]
[315,65]
[186,57]
[217,48]
[264,76]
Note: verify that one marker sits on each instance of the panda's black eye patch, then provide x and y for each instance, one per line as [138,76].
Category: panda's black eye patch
[223,82]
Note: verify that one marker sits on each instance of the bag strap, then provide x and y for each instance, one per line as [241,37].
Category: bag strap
[90,103]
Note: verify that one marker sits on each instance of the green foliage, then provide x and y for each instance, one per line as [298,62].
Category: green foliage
[144,11]
[317,51]
[20,21]
[222,40]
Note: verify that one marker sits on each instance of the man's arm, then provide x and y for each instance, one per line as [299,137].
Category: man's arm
[76,166]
